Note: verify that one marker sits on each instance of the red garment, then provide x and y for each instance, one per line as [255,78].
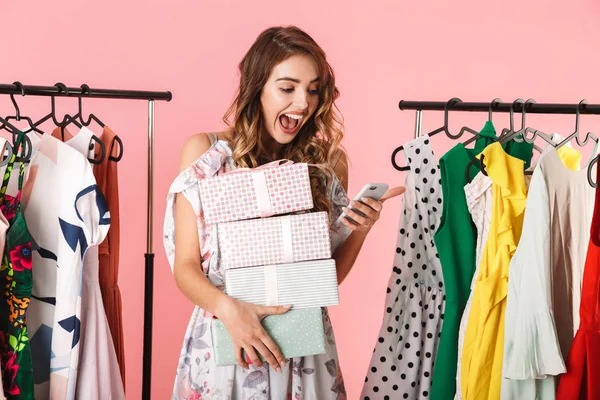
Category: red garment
[581,381]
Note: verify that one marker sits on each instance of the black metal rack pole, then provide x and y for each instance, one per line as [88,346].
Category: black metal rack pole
[531,108]
[31,90]
[58,90]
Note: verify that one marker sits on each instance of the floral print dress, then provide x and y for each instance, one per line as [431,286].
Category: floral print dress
[16,277]
[198,376]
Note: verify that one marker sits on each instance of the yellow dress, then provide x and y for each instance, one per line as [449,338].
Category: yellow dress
[483,349]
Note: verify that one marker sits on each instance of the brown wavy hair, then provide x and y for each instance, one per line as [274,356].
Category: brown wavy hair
[318,142]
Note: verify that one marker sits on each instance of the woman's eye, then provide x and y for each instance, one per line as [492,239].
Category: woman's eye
[287,90]
[314,91]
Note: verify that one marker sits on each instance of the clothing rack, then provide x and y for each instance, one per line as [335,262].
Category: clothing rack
[60,90]
[497,105]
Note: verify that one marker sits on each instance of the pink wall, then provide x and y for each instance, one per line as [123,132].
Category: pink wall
[398,49]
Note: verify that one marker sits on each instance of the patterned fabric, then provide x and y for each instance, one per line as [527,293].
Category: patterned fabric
[404,356]
[64,226]
[242,196]
[98,374]
[15,273]
[198,377]
[275,240]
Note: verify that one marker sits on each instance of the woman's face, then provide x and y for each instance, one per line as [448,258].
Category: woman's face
[289,98]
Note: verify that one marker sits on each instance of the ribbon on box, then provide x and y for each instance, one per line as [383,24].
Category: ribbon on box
[259,180]
[286,238]
[270,273]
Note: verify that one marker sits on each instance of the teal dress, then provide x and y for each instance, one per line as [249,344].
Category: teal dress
[456,240]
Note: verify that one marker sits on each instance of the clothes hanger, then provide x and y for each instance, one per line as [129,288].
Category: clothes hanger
[394,153]
[575,134]
[511,134]
[590,172]
[120,143]
[7,146]
[507,134]
[18,116]
[68,119]
[443,128]
[85,89]
[26,144]
[474,138]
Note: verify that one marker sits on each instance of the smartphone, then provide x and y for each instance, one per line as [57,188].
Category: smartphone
[371,190]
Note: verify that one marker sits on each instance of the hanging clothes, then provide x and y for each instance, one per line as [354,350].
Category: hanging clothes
[479,202]
[106,174]
[16,275]
[311,377]
[13,183]
[532,356]
[402,363]
[481,366]
[98,375]
[455,240]
[107,178]
[3,228]
[63,226]
[583,367]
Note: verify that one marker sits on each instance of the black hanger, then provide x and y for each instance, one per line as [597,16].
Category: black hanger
[120,142]
[589,172]
[511,134]
[443,128]
[18,116]
[26,144]
[478,135]
[575,134]
[68,119]
[507,134]
[85,89]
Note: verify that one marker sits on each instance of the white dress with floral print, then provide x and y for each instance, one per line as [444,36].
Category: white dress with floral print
[198,377]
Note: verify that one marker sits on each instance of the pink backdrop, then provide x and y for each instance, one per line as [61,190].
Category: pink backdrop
[381,54]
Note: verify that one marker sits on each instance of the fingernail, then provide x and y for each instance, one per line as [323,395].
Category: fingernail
[283,364]
[363,199]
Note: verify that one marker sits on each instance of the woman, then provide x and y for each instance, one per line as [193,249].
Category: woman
[284,110]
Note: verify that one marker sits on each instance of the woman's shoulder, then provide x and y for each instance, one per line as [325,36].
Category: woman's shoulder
[203,155]
[197,146]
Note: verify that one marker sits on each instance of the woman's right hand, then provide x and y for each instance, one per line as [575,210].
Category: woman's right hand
[242,321]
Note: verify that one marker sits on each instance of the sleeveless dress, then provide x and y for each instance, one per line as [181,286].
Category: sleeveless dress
[481,371]
[17,279]
[198,376]
[404,356]
[456,240]
[583,368]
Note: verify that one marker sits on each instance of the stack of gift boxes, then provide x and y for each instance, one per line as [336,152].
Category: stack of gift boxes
[274,252]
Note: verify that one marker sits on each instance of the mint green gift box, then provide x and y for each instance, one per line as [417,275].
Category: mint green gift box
[297,333]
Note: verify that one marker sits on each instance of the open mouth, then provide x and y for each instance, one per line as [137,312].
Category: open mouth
[290,123]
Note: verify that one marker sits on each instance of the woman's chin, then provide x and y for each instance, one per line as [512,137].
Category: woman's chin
[284,138]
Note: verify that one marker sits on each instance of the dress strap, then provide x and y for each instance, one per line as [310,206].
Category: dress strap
[213,138]
[9,167]
[336,158]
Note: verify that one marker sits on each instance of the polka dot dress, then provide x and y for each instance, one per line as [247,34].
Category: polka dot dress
[404,355]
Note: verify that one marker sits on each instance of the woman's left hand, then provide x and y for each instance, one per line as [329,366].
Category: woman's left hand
[371,208]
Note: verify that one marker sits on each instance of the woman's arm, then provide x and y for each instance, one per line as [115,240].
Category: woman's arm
[187,268]
[346,254]
[242,320]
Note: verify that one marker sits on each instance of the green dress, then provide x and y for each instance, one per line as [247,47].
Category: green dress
[17,281]
[456,240]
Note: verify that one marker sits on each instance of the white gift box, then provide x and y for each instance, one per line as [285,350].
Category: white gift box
[305,284]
